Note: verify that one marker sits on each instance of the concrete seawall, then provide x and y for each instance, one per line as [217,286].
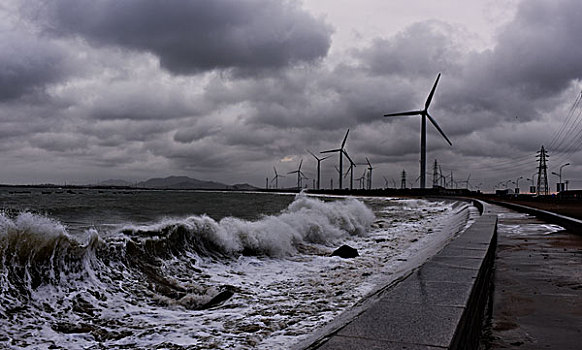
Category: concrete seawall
[439,305]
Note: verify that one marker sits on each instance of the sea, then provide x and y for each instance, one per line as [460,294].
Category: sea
[132,269]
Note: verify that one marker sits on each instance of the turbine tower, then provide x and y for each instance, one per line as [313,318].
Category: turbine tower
[350,170]
[424,114]
[370,168]
[362,178]
[341,153]
[300,175]
[276,178]
[318,165]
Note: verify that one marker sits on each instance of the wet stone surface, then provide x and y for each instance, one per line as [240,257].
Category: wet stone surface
[538,286]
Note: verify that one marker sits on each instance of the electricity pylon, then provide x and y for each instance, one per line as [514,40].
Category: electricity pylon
[542,172]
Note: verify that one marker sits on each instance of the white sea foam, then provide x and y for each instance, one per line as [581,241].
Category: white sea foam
[26,222]
[306,220]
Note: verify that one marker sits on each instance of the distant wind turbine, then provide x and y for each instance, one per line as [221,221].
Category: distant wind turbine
[350,170]
[300,175]
[370,168]
[341,153]
[276,178]
[424,114]
[386,182]
[362,178]
[318,165]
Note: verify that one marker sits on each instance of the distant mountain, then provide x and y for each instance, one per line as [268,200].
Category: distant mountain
[182,182]
[115,182]
[243,187]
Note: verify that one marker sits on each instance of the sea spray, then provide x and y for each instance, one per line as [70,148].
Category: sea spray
[306,220]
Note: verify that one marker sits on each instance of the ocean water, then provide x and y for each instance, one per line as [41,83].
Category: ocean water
[89,269]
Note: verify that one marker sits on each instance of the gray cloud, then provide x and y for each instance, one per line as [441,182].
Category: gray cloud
[28,64]
[420,50]
[195,36]
[95,101]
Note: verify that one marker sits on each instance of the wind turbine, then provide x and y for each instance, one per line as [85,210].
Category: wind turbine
[362,178]
[276,178]
[424,114]
[370,168]
[466,182]
[341,153]
[350,170]
[318,165]
[300,175]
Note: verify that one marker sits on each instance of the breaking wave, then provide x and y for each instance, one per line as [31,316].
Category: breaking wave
[36,250]
[196,282]
[306,220]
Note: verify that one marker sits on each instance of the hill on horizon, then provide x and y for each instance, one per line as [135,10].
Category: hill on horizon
[179,182]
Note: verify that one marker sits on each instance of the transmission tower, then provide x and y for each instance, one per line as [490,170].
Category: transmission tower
[435,174]
[403,182]
[543,187]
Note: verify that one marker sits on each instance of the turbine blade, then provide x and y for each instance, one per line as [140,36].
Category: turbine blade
[324,158]
[275,171]
[430,96]
[300,164]
[439,128]
[331,150]
[403,113]
[312,155]
[345,139]
[367,160]
[350,159]
[293,172]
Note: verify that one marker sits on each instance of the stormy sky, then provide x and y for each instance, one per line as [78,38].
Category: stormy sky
[226,89]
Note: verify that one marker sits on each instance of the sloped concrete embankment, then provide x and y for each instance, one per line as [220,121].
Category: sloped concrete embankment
[439,305]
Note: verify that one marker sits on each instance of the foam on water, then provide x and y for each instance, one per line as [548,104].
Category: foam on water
[306,220]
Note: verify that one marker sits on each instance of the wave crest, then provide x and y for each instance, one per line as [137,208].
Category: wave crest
[305,220]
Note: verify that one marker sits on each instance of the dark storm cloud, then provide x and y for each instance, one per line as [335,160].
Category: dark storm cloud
[120,111]
[27,64]
[420,50]
[194,36]
[535,59]
[539,50]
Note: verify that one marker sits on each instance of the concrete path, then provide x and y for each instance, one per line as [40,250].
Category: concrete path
[537,298]
[438,306]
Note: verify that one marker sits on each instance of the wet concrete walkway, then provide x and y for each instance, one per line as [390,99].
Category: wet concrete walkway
[537,297]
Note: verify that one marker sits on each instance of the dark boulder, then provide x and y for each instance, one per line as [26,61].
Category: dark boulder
[346,252]
[226,293]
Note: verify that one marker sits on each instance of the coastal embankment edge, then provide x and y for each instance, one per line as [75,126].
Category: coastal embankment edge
[438,305]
